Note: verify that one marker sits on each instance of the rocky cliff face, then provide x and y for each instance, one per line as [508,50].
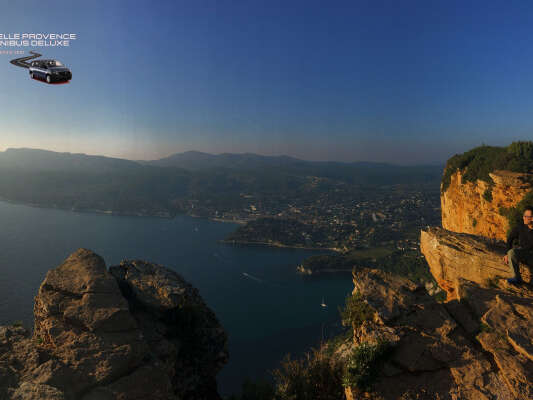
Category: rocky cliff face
[475,347]
[453,256]
[465,209]
[137,332]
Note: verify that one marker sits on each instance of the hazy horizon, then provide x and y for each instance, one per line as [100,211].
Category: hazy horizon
[214,154]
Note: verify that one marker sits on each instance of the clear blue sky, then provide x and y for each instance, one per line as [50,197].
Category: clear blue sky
[400,81]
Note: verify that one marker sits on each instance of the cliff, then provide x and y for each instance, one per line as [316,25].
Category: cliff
[137,331]
[466,208]
[478,344]
[475,347]
[453,256]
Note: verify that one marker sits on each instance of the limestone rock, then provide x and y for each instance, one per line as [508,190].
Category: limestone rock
[91,341]
[452,256]
[174,319]
[465,209]
[476,348]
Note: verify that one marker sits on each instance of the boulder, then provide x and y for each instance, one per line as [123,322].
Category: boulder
[104,336]
[180,329]
[452,256]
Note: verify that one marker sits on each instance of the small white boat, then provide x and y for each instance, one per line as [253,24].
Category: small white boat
[323,304]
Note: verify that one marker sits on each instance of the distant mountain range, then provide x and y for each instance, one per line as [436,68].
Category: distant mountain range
[189,160]
[167,186]
[195,160]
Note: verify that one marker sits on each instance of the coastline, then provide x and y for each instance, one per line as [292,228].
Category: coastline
[303,271]
[280,245]
[90,210]
[166,215]
[172,216]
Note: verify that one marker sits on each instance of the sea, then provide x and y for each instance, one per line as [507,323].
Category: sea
[266,308]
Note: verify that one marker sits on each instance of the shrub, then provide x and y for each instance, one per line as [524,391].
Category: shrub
[317,376]
[487,194]
[480,161]
[440,297]
[356,311]
[364,364]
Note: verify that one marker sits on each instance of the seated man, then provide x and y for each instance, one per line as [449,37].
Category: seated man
[524,253]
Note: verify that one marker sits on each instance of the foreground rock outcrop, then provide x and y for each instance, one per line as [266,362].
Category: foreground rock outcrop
[466,209]
[137,332]
[476,347]
[453,256]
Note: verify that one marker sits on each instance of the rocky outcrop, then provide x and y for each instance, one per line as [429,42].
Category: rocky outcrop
[466,209]
[179,329]
[452,256]
[138,332]
[475,347]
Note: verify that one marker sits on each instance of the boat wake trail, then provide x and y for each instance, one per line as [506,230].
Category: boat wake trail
[252,277]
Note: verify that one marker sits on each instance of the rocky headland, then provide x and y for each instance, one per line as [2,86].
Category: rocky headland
[135,331]
[476,346]
[478,343]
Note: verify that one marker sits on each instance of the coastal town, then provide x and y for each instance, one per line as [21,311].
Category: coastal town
[342,219]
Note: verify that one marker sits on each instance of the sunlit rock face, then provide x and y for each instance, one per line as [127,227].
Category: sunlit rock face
[477,346]
[452,256]
[466,209]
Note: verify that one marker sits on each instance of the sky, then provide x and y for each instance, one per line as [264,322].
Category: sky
[406,82]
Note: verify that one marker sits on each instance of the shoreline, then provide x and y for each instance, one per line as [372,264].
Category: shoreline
[310,273]
[280,245]
[169,216]
[120,214]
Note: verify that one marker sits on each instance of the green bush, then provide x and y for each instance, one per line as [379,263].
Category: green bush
[440,297]
[487,194]
[356,311]
[364,364]
[517,157]
[317,376]
[334,343]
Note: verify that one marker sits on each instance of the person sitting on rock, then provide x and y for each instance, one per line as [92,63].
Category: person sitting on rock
[524,253]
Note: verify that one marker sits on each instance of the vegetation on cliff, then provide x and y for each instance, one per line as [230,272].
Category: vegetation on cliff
[480,161]
[323,373]
[356,311]
[407,263]
[364,363]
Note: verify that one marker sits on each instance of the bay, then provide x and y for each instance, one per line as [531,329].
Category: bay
[265,307]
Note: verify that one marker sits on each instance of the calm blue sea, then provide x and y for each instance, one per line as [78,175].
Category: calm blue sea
[267,309]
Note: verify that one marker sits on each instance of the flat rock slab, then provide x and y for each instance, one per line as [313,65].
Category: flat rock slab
[452,256]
